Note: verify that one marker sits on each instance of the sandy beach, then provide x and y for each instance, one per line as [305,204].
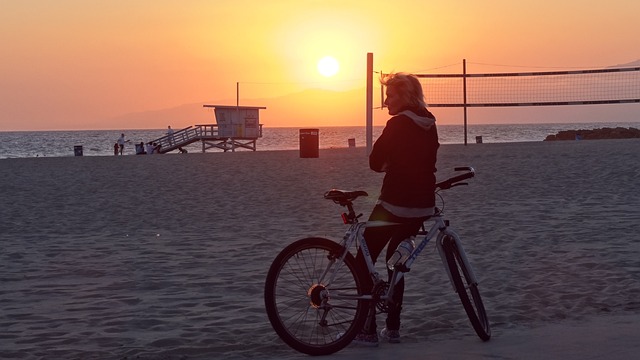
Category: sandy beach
[164,257]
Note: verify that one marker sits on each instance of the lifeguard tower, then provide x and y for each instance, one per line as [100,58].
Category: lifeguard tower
[236,127]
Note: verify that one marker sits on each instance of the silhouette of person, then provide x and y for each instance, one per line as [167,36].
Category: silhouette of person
[149,148]
[170,134]
[121,142]
[406,152]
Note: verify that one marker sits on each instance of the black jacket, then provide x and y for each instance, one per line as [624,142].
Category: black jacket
[407,151]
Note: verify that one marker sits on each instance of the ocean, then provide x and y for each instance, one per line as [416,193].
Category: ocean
[24,144]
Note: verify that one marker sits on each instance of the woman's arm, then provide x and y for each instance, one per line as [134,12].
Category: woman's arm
[380,154]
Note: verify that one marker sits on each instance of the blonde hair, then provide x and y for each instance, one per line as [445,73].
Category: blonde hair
[406,84]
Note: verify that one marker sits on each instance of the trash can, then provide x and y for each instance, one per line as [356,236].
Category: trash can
[309,143]
[77,150]
[352,142]
[478,139]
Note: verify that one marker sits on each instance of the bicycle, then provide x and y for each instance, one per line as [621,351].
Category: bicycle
[314,296]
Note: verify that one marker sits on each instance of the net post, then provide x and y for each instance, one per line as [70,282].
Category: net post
[369,133]
[464,97]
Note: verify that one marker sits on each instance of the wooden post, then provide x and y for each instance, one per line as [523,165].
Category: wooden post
[464,96]
[369,133]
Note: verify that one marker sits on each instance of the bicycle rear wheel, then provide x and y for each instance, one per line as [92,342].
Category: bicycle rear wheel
[312,298]
[467,289]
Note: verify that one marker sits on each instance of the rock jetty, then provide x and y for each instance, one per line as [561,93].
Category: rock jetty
[593,134]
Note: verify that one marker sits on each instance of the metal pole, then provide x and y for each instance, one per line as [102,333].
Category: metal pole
[237,119]
[464,96]
[369,134]
[382,92]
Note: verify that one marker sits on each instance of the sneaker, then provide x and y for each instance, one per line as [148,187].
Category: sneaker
[370,340]
[392,336]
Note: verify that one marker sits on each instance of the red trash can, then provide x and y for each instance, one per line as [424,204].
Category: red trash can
[309,143]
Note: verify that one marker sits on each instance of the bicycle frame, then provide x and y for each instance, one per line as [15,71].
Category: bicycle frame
[439,230]
[353,236]
[441,227]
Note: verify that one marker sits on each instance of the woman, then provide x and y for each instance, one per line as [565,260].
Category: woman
[406,152]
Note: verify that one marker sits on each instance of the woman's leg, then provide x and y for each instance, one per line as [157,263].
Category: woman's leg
[376,239]
[402,232]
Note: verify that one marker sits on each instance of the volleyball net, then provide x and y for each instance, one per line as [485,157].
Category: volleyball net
[578,87]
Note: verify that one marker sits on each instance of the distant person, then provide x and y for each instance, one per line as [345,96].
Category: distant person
[170,134]
[156,148]
[140,149]
[406,152]
[121,142]
[116,149]
[182,151]
[149,148]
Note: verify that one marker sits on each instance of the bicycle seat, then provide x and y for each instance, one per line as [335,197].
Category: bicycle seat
[343,197]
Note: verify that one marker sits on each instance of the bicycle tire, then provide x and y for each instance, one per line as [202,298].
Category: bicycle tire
[467,290]
[293,297]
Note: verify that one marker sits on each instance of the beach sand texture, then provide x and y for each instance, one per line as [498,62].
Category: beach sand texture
[164,257]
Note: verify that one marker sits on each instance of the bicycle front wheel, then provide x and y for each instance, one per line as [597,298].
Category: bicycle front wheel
[467,289]
[313,298]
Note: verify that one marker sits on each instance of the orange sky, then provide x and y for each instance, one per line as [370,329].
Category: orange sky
[75,64]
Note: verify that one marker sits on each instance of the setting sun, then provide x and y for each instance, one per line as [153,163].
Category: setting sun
[328,66]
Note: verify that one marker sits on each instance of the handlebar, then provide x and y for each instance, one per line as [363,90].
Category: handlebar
[456,180]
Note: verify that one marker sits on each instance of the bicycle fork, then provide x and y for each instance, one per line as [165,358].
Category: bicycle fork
[470,275]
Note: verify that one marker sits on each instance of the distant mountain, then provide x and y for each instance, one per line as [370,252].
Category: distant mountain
[631,64]
[311,107]
[178,117]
